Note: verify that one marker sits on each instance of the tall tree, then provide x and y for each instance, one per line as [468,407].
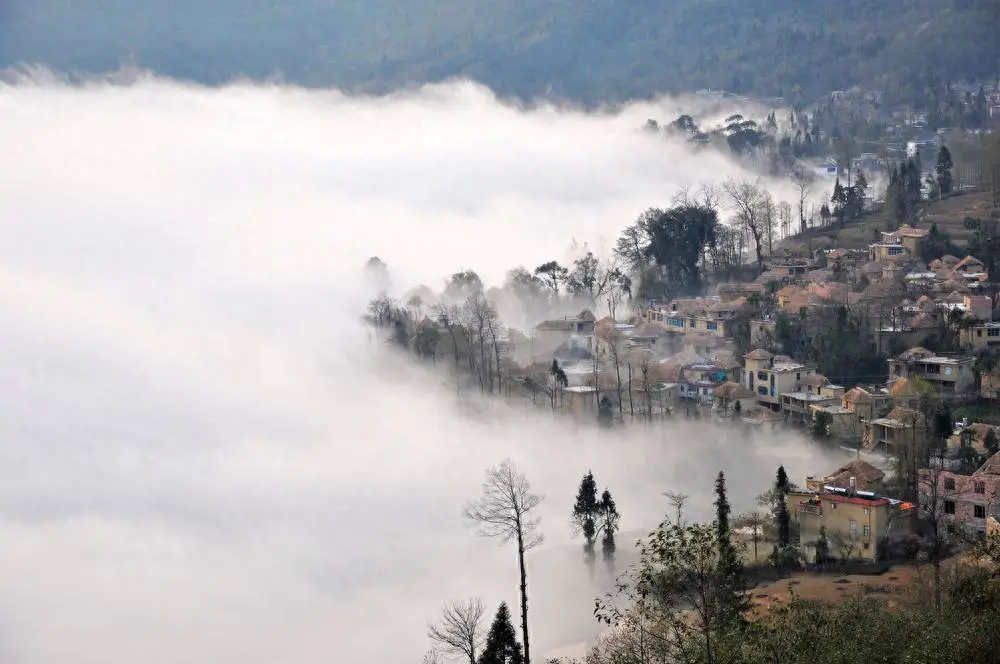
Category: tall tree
[585,514]
[609,518]
[781,516]
[505,511]
[749,202]
[943,170]
[501,641]
[462,285]
[730,568]
[552,275]
[459,630]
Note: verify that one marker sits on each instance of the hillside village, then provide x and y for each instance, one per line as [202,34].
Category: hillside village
[891,349]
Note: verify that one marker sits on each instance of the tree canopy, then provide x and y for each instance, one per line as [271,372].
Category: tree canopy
[602,51]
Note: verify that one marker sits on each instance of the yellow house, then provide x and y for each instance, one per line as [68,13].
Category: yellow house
[709,316]
[854,522]
[900,243]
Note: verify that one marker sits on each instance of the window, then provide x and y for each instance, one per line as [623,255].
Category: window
[854,529]
[713,326]
[694,323]
[949,484]
[833,505]
[676,322]
[798,376]
[979,511]
[980,487]
[866,532]
[762,391]
[867,511]
[949,507]
[993,332]
[761,375]
[979,333]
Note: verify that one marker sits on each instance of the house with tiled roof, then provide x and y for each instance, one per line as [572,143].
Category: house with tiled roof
[900,243]
[857,475]
[901,428]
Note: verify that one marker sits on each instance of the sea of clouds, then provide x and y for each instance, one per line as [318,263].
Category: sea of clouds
[203,458]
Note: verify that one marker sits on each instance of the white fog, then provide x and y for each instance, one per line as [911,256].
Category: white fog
[203,458]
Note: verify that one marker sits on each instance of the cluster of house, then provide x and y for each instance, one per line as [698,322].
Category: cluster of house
[849,507]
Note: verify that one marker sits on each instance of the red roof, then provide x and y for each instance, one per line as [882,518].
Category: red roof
[854,500]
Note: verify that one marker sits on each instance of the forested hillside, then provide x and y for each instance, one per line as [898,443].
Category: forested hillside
[588,50]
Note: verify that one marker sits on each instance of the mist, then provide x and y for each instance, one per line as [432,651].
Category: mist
[202,456]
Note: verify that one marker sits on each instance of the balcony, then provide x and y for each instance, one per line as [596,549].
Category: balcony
[809,508]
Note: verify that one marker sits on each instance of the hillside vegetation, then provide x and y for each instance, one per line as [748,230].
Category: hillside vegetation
[589,50]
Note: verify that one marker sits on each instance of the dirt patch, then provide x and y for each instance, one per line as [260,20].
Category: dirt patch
[897,585]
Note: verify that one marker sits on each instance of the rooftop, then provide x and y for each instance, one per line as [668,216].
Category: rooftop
[808,396]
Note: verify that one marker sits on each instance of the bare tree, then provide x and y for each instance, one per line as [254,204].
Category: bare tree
[677,499]
[845,543]
[752,213]
[615,345]
[803,183]
[459,631]
[504,511]
[755,522]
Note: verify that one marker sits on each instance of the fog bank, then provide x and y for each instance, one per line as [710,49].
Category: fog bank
[202,457]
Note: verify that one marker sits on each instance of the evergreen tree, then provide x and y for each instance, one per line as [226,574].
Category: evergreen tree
[943,170]
[781,487]
[501,642]
[839,200]
[585,513]
[609,518]
[730,568]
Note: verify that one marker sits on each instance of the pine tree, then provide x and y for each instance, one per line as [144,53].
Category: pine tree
[585,513]
[501,642]
[943,170]
[782,487]
[839,201]
[727,554]
[732,602]
[609,524]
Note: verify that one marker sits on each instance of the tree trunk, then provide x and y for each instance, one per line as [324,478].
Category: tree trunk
[631,407]
[524,593]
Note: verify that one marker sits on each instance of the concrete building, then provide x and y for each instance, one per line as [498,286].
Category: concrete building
[962,500]
[902,427]
[980,336]
[854,521]
[699,379]
[900,243]
[769,376]
[709,316]
[948,375]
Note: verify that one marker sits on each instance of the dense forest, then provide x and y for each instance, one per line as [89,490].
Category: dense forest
[589,52]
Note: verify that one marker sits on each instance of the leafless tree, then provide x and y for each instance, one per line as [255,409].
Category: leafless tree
[677,500]
[432,657]
[756,522]
[449,316]
[803,184]
[614,345]
[750,203]
[504,511]
[459,630]
[785,218]
[845,543]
